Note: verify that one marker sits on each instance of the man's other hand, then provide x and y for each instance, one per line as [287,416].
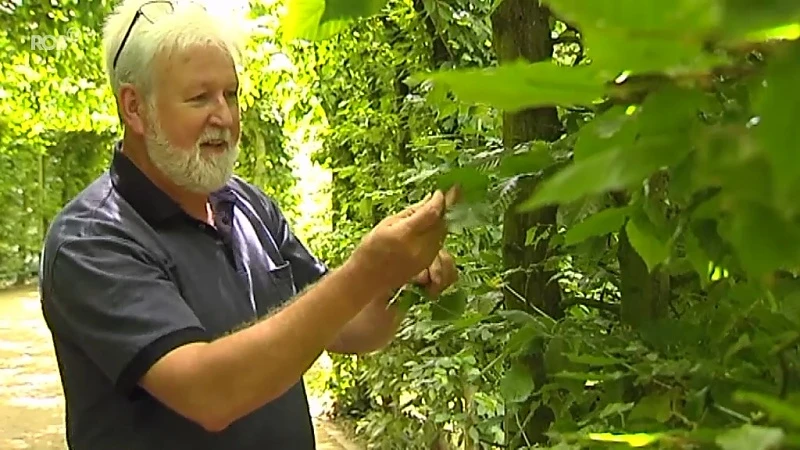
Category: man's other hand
[440,275]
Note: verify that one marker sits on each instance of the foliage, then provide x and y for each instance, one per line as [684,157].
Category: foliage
[59,119]
[676,239]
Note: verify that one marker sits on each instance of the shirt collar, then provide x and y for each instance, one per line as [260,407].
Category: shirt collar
[149,201]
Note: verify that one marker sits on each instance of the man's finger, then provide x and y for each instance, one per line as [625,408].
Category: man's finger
[436,271]
[453,196]
[423,278]
[449,270]
[413,208]
[428,214]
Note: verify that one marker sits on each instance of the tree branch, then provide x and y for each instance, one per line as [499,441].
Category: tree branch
[591,303]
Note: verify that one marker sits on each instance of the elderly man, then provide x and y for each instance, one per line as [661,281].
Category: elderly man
[183,309]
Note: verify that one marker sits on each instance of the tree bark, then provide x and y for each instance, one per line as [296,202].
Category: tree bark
[521,29]
[644,295]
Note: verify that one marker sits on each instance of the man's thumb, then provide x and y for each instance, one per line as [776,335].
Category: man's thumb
[430,213]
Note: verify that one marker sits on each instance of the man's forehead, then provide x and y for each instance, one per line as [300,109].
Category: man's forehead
[200,65]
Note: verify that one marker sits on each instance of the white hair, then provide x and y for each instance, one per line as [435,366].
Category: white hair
[190,23]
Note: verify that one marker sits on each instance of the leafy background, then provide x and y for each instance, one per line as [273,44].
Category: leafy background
[629,240]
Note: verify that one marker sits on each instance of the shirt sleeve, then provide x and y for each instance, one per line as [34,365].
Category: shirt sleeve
[115,301]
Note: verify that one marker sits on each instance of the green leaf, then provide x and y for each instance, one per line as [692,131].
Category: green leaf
[449,306]
[602,172]
[520,341]
[665,124]
[778,106]
[594,175]
[676,18]
[653,406]
[601,223]
[764,241]
[592,360]
[739,345]
[586,376]
[746,20]
[613,129]
[777,409]
[302,19]
[651,54]
[751,437]
[656,36]
[523,318]
[517,384]
[517,85]
[317,20]
[646,241]
[697,257]
[473,182]
[530,161]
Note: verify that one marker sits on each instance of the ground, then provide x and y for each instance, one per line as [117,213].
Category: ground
[31,401]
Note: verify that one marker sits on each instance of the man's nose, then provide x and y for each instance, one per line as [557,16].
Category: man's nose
[222,116]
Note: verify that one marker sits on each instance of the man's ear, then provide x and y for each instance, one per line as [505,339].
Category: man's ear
[132,108]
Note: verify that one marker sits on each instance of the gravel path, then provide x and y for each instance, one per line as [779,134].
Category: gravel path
[31,401]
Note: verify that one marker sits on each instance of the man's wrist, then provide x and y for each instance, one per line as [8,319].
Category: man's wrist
[373,286]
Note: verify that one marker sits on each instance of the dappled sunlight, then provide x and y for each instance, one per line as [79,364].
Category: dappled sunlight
[31,401]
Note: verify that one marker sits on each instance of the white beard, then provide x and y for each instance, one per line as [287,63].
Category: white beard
[191,168]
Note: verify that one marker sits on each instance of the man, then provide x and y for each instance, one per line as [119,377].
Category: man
[183,309]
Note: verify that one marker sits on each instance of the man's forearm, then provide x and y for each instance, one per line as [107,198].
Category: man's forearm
[253,366]
[372,329]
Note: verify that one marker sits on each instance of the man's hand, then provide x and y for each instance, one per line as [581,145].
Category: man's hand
[441,274]
[403,245]
[403,248]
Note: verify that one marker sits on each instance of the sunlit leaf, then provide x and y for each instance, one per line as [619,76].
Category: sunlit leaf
[746,20]
[633,440]
[518,85]
[316,20]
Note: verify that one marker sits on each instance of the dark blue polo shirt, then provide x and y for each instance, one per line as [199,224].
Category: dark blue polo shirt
[127,276]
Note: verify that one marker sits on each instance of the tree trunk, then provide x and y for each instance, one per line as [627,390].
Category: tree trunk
[521,29]
[644,296]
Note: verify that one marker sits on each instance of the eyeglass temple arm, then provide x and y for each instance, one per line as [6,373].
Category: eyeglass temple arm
[125,38]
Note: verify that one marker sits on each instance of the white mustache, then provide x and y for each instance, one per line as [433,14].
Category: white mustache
[215,134]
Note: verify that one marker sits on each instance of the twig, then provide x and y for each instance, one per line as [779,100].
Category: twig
[492,443]
[591,303]
[534,307]
[731,413]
